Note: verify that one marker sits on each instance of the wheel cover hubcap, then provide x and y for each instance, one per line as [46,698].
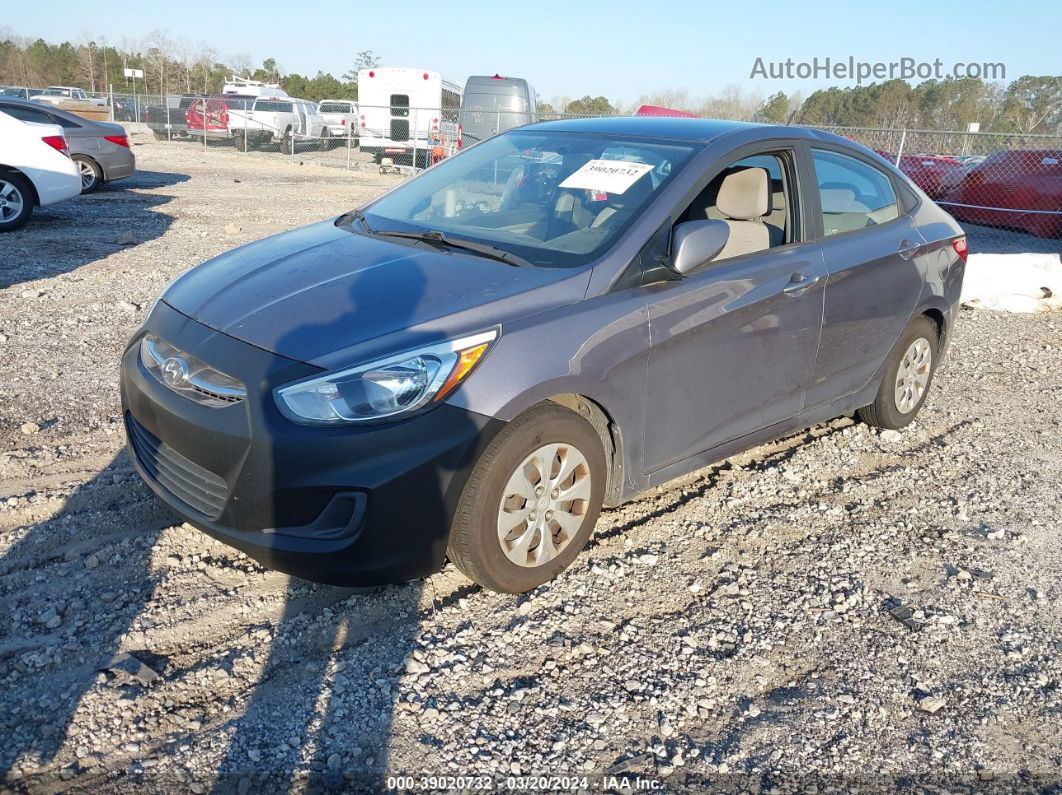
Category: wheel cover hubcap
[88,176]
[912,377]
[544,504]
[10,201]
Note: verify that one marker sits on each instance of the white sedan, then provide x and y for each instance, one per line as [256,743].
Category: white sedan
[35,170]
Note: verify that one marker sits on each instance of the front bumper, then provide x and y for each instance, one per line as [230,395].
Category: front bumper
[347,506]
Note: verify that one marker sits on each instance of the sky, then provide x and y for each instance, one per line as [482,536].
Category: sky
[622,49]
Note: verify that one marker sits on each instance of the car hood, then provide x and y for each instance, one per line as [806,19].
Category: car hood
[324,295]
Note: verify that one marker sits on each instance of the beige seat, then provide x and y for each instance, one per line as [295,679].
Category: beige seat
[744,199]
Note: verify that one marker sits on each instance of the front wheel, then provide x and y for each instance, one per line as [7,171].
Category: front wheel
[531,501]
[908,375]
[90,172]
[16,202]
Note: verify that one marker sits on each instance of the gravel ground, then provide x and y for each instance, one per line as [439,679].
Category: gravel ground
[840,607]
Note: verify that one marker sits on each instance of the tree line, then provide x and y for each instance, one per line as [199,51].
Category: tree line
[1028,104]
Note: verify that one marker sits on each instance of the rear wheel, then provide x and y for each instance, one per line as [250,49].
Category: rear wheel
[531,501]
[326,142]
[16,202]
[90,172]
[908,376]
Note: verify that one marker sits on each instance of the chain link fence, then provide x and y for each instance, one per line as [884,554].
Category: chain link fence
[1006,189]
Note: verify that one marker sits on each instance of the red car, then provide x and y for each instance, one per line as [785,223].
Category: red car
[1019,188]
[932,173]
[657,110]
[210,117]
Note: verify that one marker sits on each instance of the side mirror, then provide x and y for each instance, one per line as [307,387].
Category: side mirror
[697,242]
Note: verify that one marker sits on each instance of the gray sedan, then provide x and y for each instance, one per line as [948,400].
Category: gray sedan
[100,149]
[559,318]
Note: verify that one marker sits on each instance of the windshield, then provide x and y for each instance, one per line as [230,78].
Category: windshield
[554,199]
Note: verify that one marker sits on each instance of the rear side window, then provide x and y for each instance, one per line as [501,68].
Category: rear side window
[272,106]
[334,107]
[854,194]
[27,114]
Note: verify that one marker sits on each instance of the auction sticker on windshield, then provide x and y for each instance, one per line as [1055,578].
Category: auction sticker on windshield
[608,176]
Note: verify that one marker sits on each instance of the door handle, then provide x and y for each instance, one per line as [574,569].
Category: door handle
[799,282]
[908,249]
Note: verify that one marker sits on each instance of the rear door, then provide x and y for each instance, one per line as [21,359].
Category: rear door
[874,257]
[734,344]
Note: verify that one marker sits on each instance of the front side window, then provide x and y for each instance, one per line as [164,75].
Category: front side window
[854,194]
[555,199]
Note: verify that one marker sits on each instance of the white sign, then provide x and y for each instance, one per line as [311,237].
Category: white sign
[134,73]
[607,176]
[974,126]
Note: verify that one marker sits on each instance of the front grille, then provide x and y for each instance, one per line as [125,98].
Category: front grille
[198,488]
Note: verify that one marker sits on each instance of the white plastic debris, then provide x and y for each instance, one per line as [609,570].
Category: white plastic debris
[1013,282]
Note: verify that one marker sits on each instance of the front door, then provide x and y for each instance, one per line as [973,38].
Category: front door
[734,344]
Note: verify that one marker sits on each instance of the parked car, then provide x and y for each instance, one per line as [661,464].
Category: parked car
[169,121]
[208,117]
[932,173]
[278,121]
[57,95]
[557,319]
[19,92]
[340,117]
[491,104]
[99,148]
[1018,189]
[35,170]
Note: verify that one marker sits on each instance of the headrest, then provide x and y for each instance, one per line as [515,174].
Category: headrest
[745,195]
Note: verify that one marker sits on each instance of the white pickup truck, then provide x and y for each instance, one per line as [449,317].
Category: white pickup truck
[341,117]
[57,95]
[278,121]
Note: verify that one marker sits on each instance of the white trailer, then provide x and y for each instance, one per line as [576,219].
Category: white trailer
[407,112]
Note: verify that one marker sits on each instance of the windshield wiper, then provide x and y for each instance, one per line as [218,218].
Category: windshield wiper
[355,215]
[435,236]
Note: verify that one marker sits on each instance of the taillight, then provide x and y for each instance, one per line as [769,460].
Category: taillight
[57,142]
[372,74]
[959,244]
[121,140]
[342,122]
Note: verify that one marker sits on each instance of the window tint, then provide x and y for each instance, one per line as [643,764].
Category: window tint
[64,122]
[399,104]
[854,194]
[272,106]
[335,107]
[27,114]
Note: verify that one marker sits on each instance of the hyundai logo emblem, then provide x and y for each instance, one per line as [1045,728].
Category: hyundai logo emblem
[175,371]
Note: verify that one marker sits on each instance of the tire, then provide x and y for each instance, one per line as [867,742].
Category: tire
[476,542]
[326,140]
[287,142]
[160,135]
[91,173]
[16,202]
[908,376]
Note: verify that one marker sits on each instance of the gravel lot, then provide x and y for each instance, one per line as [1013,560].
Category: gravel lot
[738,628]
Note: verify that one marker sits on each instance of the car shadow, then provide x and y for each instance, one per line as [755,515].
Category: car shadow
[72,586]
[330,688]
[1001,240]
[63,237]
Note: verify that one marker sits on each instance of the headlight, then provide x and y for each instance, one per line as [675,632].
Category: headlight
[386,388]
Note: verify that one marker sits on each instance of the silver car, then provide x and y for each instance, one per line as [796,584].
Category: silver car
[557,319]
[100,149]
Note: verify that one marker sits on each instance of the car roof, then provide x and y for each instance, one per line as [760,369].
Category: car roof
[682,129]
[46,108]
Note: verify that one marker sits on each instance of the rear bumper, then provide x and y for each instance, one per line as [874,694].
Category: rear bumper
[118,164]
[361,506]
